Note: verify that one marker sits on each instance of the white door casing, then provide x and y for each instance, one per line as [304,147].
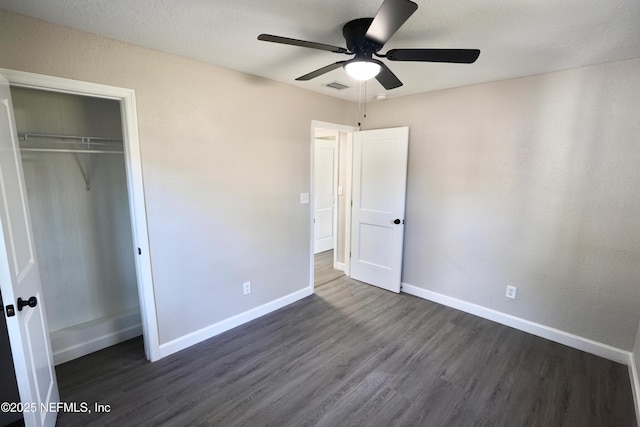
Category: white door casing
[135,187]
[379,190]
[325,159]
[20,278]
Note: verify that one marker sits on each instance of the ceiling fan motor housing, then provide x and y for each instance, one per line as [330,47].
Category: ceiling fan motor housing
[354,34]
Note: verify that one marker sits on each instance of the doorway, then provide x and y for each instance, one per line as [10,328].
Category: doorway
[73,163]
[138,217]
[331,193]
[139,242]
[374,164]
[326,190]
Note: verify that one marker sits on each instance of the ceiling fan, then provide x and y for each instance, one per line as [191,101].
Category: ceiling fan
[365,37]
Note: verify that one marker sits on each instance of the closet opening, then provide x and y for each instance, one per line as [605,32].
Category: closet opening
[75,172]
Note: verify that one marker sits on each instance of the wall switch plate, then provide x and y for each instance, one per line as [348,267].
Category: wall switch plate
[511,292]
[246,288]
[304,198]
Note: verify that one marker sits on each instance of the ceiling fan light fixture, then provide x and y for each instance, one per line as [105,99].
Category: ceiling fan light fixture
[365,37]
[362,70]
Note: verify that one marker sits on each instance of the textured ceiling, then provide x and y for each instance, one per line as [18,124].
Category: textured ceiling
[517,38]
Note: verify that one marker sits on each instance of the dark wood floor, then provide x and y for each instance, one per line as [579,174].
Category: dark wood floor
[323,270]
[354,355]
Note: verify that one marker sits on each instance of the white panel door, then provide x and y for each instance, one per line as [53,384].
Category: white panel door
[379,187]
[324,189]
[20,278]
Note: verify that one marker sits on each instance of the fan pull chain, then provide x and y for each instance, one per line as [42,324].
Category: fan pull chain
[365,100]
[362,105]
[359,101]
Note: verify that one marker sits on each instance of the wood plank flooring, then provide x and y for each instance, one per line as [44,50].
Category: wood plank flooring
[323,270]
[354,355]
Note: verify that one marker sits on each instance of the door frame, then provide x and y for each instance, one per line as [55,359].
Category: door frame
[349,130]
[135,187]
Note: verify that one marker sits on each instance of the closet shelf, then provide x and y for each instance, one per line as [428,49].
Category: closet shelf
[83,144]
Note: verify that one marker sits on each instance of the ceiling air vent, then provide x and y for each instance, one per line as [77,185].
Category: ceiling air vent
[336,85]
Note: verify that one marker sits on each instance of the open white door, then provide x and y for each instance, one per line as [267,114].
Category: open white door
[324,189]
[20,281]
[379,188]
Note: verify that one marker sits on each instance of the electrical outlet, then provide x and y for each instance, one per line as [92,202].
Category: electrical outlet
[246,288]
[511,292]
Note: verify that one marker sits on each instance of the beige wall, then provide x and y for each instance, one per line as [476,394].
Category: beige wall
[531,182]
[224,157]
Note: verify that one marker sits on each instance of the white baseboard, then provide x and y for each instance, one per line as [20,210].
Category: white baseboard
[339,266]
[635,385]
[230,323]
[562,337]
[79,340]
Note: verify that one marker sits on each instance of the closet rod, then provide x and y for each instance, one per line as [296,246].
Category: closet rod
[82,139]
[62,150]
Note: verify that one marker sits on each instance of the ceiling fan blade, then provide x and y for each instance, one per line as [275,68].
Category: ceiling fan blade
[321,71]
[459,56]
[390,17]
[301,43]
[386,78]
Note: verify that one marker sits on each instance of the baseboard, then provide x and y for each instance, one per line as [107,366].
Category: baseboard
[585,344]
[339,266]
[635,385]
[79,340]
[230,323]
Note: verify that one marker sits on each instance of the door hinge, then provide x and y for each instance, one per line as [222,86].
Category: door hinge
[139,251]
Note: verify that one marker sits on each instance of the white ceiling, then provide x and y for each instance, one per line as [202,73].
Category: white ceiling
[517,37]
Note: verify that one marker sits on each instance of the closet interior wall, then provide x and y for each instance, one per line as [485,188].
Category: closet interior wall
[80,217]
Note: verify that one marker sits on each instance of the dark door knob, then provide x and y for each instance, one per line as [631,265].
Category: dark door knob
[31,302]
[396,221]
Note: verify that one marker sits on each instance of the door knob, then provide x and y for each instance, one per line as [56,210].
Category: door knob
[31,302]
[396,221]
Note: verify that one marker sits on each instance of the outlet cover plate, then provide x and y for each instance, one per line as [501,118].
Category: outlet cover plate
[511,292]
